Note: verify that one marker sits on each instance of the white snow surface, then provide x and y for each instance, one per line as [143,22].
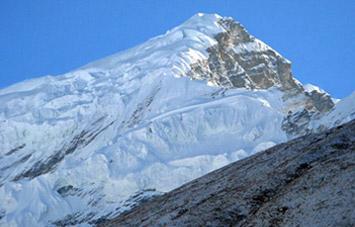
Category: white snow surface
[151,128]
[310,87]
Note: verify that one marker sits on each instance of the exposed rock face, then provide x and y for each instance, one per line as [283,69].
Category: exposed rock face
[239,60]
[308,181]
[321,101]
[316,105]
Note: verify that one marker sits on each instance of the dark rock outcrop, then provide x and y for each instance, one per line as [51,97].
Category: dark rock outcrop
[239,60]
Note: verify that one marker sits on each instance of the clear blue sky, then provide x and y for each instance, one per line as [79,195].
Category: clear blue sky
[40,37]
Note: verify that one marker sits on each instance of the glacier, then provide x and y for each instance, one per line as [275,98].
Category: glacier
[92,143]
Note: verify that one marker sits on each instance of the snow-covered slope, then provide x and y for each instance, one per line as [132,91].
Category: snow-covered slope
[93,142]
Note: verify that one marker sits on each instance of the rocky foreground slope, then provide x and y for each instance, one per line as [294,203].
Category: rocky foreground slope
[309,181]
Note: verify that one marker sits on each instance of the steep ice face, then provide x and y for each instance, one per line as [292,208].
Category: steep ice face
[93,142]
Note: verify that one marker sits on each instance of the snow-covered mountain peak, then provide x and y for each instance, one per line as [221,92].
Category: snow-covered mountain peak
[178,44]
[200,20]
[211,42]
[87,144]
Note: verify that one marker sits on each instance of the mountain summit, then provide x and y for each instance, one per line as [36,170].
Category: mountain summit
[94,142]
